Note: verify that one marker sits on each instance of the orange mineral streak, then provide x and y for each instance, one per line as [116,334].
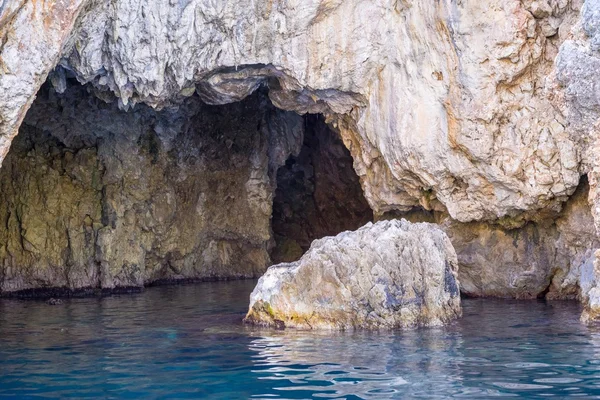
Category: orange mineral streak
[454,92]
[54,14]
[8,13]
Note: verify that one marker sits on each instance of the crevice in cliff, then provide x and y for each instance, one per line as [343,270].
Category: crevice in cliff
[318,193]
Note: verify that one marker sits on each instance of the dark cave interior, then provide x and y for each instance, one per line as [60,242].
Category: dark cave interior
[95,197]
[318,193]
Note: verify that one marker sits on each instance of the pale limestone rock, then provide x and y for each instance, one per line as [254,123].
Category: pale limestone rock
[456,107]
[441,103]
[577,68]
[392,274]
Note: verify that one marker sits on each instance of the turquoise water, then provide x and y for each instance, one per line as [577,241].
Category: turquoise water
[188,342]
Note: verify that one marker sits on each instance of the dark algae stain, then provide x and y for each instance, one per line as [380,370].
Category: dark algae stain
[450,282]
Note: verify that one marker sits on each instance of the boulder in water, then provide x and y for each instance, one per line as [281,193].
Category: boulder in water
[54,302]
[388,275]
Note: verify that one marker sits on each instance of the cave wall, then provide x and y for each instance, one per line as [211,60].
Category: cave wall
[551,258]
[94,197]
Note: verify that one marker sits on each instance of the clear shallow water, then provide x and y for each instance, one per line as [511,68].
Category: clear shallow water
[188,342]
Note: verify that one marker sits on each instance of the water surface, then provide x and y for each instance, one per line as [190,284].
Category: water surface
[188,342]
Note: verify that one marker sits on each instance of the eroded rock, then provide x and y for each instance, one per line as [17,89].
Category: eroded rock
[485,112]
[443,105]
[549,258]
[577,71]
[95,197]
[388,275]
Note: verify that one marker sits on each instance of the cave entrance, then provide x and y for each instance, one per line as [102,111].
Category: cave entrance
[96,197]
[318,193]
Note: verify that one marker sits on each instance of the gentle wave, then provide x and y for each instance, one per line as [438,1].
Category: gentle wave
[189,342]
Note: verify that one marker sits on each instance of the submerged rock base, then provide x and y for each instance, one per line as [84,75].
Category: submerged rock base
[388,275]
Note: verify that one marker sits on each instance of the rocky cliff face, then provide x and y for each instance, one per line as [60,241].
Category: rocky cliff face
[482,114]
[443,105]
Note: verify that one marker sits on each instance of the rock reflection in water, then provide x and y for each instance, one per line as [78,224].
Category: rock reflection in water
[328,364]
[365,365]
[500,349]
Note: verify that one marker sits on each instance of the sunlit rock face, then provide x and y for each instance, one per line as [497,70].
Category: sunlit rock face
[442,104]
[577,67]
[388,275]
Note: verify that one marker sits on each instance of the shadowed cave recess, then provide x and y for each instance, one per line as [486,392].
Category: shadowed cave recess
[94,199]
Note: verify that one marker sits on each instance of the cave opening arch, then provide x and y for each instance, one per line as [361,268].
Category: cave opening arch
[95,197]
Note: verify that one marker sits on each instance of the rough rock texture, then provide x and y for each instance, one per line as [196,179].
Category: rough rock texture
[577,67]
[441,103]
[483,112]
[392,274]
[545,259]
[32,39]
[95,197]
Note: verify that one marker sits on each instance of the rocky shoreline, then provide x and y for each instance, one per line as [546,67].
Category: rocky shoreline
[150,141]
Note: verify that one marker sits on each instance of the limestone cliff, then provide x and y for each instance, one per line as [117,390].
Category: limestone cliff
[443,105]
[480,114]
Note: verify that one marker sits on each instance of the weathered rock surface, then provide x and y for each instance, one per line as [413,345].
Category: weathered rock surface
[32,38]
[441,104]
[548,258]
[577,67]
[484,113]
[392,274]
[95,197]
